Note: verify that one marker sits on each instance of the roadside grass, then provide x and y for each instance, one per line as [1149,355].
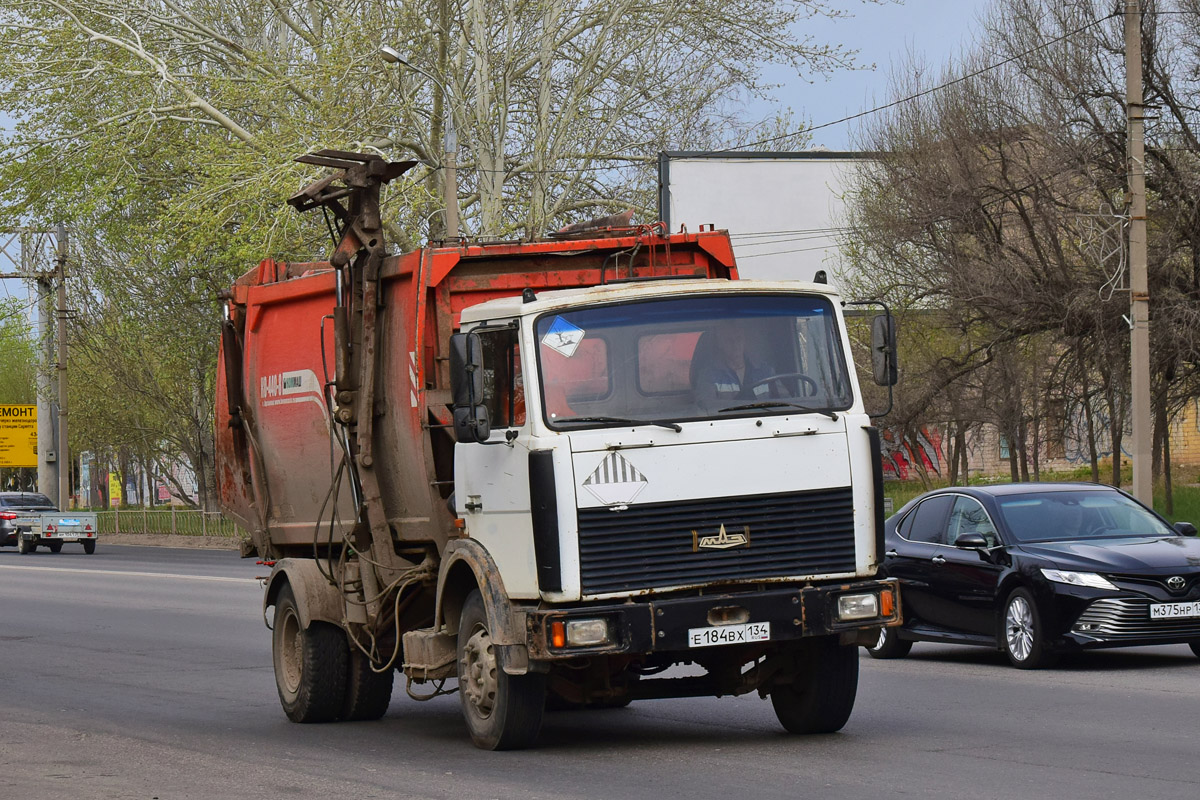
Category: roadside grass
[1186,494]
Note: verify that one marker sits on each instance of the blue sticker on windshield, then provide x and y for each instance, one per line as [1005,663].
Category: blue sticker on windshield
[563,337]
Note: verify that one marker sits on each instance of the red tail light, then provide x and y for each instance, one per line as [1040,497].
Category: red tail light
[8,515]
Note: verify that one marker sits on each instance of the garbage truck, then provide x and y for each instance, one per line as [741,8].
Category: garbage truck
[575,471]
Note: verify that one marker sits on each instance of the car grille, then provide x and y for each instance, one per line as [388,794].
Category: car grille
[1130,619]
[651,545]
[1190,582]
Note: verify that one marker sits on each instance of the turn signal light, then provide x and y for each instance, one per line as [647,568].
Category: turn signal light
[887,603]
[558,634]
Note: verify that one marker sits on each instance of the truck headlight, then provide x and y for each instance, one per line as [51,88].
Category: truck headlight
[587,632]
[857,606]
[579,633]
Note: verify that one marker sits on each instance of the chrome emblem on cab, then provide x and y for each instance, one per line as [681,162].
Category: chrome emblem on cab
[722,541]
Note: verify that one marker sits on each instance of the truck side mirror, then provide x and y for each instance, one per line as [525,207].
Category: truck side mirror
[471,423]
[884,362]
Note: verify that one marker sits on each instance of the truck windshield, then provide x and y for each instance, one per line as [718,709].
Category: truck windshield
[699,357]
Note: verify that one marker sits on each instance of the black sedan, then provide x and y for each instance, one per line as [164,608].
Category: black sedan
[1035,569]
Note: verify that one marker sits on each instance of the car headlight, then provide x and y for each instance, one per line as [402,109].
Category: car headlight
[1089,579]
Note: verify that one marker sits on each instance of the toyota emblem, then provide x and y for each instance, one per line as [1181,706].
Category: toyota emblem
[1175,583]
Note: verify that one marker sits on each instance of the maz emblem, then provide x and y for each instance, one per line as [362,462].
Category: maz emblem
[722,541]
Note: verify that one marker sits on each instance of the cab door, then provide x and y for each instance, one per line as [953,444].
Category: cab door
[491,478]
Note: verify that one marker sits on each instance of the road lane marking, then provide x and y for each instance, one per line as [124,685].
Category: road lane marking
[74,571]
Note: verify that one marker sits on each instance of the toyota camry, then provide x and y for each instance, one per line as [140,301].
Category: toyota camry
[1036,569]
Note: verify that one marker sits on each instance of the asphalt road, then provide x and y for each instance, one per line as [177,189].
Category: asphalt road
[146,673]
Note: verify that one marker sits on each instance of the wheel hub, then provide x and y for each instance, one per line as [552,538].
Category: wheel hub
[291,652]
[478,671]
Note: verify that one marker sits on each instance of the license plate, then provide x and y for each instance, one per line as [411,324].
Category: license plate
[1174,610]
[729,634]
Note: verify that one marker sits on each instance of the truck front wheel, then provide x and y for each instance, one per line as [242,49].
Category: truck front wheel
[502,711]
[310,663]
[820,696]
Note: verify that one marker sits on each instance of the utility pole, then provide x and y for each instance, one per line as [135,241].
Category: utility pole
[47,391]
[30,267]
[64,460]
[1139,283]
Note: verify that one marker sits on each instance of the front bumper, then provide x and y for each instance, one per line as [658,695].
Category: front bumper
[1125,621]
[661,625]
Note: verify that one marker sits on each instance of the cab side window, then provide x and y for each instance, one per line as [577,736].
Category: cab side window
[928,521]
[968,516]
[503,389]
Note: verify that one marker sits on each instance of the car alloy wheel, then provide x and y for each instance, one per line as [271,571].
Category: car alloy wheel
[1022,636]
[1018,628]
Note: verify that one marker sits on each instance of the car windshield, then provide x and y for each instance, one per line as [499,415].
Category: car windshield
[1051,516]
[697,357]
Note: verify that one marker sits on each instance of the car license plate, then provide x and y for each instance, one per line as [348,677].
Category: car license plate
[729,634]
[1174,610]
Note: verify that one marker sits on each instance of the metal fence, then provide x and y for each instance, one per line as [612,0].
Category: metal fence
[180,521]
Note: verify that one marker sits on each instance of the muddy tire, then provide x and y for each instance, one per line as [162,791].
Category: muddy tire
[821,695]
[25,545]
[310,663]
[502,711]
[368,693]
[55,547]
[89,546]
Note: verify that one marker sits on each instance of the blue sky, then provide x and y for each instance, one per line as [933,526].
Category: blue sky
[935,30]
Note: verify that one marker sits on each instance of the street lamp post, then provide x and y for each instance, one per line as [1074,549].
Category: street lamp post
[449,143]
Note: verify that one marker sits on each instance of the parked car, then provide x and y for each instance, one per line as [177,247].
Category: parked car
[14,505]
[1036,569]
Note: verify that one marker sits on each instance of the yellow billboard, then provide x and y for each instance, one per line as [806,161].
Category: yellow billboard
[18,436]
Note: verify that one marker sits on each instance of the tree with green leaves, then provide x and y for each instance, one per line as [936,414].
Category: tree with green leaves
[163,133]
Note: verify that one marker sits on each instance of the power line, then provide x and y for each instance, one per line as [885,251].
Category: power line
[931,90]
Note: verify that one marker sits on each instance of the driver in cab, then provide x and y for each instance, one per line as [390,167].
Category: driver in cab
[723,373]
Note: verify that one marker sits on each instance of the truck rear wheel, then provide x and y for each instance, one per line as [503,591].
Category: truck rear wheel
[310,663]
[821,695]
[502,711]
[368,693]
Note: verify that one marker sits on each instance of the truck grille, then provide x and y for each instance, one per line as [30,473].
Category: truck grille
[654,544]
[1112,619]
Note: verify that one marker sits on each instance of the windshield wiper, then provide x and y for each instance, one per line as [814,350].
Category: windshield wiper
[624,421]
[779,404]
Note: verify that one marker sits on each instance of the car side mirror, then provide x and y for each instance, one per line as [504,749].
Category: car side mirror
[471,423]
[971,541]
[1185,528]
[883,350]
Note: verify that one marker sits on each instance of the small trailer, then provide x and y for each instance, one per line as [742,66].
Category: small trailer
[53,529]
